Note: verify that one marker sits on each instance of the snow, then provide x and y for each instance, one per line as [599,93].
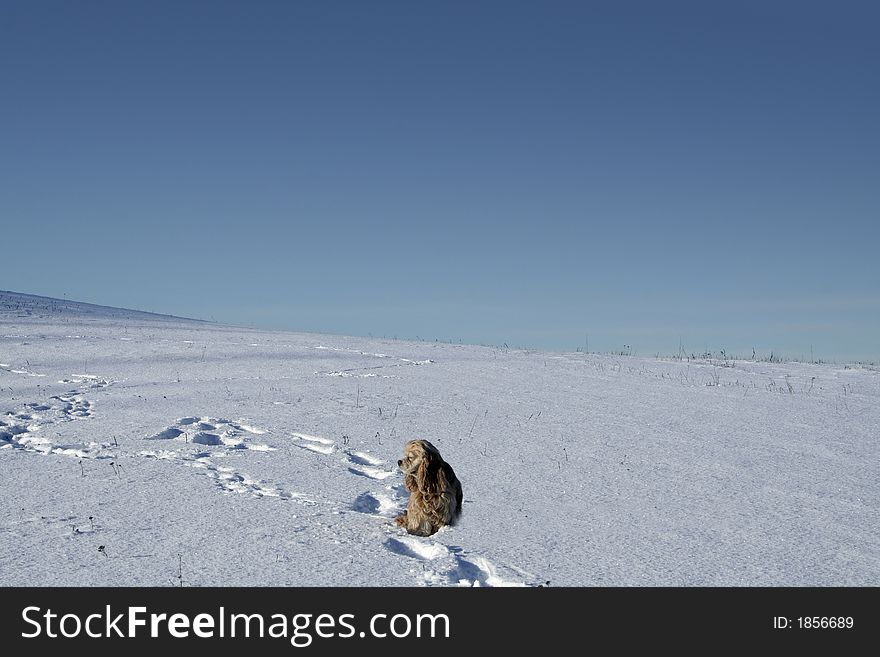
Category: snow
[269,458]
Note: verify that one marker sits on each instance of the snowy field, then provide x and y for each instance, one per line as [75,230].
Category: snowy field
[145,450]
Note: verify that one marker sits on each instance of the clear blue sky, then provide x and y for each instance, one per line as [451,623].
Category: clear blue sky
[528,173]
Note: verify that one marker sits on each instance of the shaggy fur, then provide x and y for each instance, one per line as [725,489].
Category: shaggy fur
[435,492]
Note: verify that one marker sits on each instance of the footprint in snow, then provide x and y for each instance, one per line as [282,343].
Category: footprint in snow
[27,427]
[365,465]
[167,434]
[230,480]
[72,406]
[359,463]
[409,546]
[477,571]
[376,504]
[212,432]
[444,566]
[218,433]
[314,443]
[205,438]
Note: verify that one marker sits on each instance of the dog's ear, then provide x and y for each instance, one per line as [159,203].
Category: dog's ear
[426,473]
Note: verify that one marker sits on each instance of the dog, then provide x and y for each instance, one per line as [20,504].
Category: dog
[435,492]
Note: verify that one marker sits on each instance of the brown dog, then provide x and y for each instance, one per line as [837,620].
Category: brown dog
[435,492]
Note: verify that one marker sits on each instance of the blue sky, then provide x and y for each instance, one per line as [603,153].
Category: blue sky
[495,172]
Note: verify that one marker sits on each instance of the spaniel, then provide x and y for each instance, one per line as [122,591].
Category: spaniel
[435,492]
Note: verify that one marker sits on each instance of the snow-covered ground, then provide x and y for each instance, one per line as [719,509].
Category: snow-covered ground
[227,456]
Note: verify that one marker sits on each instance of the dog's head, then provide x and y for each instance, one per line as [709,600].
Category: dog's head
[420,460]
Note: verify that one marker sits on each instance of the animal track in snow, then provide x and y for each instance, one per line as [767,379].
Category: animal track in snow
[19,370]
[359,463]
[477,571]
[366,503]
[167,434]
[314,443]
[365,465]
[93,381]
[164,454]
[27,426]
[410,546]
[445,565]
[374,355]
[370,472]
[353,371]
[228,479]
[213,432]
[227,435]
[360,458]
[349,374]
[248,428]
[25,431]
[377,504]
[73,406]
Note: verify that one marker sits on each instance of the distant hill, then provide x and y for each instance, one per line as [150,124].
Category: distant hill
[19,305]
